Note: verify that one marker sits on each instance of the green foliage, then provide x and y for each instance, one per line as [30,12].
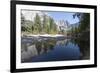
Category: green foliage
[22,19]
[84,21]
[37,24]
[22,22]
[48,25]
[44,23]
[53,27]
[84,30]
[45,26]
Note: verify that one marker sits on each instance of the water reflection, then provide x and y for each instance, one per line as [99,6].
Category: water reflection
[52,49]
[45,45]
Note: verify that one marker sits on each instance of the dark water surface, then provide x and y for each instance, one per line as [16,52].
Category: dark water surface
[60,53]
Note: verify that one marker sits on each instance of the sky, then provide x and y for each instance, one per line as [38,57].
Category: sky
[63,16]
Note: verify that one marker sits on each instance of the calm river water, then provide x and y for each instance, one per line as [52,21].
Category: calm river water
[49,49]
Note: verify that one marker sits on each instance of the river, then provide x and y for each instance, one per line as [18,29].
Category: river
[43,49]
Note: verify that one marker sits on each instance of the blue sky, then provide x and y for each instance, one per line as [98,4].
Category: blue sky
[63,16]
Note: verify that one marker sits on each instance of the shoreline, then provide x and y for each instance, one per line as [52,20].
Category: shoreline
[45,35]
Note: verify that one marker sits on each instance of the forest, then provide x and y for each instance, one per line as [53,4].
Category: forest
[38,26]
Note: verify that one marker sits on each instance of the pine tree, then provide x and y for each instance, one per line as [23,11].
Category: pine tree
[45,24]
[22,22]
[37,24]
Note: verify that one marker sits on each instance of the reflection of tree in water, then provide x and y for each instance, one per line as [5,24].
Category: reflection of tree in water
[84,43]
[45,45]
[83,32]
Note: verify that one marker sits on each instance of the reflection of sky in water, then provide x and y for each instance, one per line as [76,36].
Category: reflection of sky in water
[60,53]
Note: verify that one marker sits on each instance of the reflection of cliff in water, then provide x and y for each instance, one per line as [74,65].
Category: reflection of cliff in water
[45,46]
[51,49]
[32,46]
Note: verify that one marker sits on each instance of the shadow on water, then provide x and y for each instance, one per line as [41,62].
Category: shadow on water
[84,43]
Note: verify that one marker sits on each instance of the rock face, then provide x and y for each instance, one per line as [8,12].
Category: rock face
[62,25]
[71,26]
[30,15]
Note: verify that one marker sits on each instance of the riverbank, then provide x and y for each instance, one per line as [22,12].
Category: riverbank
[45,35]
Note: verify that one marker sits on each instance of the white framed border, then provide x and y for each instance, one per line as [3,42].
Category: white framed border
[20,65]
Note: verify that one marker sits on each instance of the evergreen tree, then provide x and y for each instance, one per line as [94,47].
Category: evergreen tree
[53,26]
[37,24]
[44,23]
[84,19]
[22,22]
